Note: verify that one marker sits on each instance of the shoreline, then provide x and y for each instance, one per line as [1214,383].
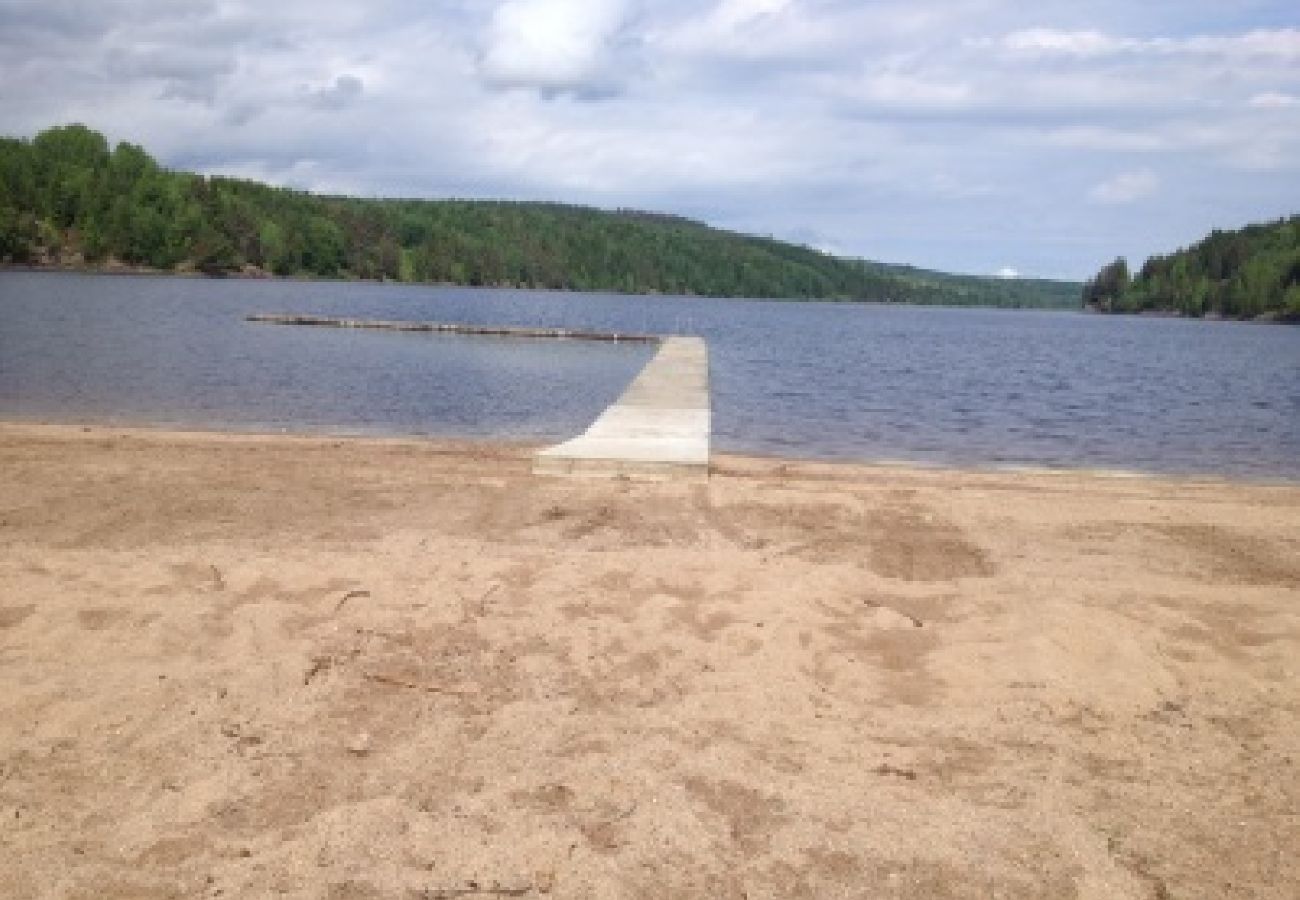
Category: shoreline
[262,275]
[314,666]
[721,458]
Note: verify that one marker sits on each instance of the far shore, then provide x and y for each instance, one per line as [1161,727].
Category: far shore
[253,273]
[313,666]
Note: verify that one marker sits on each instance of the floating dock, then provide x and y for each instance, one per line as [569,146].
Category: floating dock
[659,428]
[451,328]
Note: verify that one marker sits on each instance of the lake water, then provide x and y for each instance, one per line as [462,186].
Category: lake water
[815,380]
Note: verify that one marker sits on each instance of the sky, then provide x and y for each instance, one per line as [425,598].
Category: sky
[983,136]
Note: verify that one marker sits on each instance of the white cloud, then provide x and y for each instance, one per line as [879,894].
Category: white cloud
[1007,273]
[553,45]
[1109,140]
[732,15]
[814,35]
[1071,43]
[344,92]
[736,27]
[1274,100]
[902,89]
[1126,187]
[1282,43]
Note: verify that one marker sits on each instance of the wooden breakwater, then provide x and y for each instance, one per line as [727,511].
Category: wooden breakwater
[452,328]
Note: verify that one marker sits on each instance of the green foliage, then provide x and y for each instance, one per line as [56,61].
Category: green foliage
[1237,274]
[70,165]
[18,233]
[64,192]
[1110,284]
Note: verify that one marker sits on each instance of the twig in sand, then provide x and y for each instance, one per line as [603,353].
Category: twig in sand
[318,664]
[482,609]
[218,582]
[474,889]
[393,681]
[385,635]
[349,596]
[876,604]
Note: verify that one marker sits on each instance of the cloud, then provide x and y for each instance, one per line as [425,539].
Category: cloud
[1126,187]
[1071,43]
[183,72]
[344,92]
[553,46]
[732,15]
[747,28]
[241,114]
[1274,100]
[1282,43]
[762,38]
[893,88]
[1107,140]
[1007,273]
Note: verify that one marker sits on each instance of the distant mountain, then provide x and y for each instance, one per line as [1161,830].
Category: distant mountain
[67,200]
[1244,274]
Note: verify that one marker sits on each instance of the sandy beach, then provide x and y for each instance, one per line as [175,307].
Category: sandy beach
[247,666]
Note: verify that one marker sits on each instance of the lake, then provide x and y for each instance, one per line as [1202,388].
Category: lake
[812,380]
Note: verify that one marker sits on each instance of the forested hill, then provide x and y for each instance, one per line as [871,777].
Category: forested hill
[1239,274]
[67,199]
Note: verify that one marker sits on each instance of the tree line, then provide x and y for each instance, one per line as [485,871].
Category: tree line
[67,198]
[1245,274]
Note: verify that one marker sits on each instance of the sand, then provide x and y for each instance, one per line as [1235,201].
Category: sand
[240,666]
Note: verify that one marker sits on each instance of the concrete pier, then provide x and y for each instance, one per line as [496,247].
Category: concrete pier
[659,427]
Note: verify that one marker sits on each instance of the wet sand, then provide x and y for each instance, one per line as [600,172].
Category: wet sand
[240,666]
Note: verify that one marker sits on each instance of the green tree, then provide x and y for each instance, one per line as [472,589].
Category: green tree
[18,235]
[323,249]
[1107,289]
[68,160]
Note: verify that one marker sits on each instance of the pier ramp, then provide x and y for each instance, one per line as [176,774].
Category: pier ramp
[659,427]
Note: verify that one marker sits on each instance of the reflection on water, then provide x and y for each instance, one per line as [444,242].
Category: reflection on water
[815,380]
